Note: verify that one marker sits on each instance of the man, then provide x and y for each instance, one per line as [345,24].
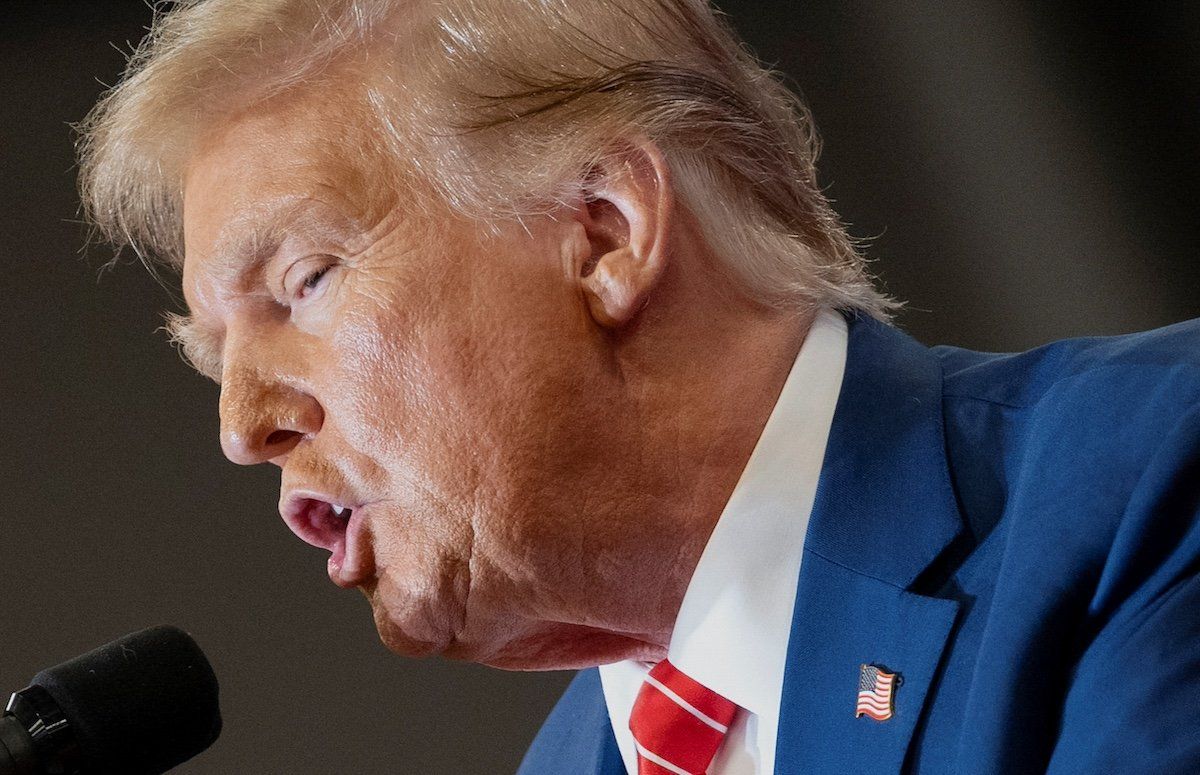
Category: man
[566,360]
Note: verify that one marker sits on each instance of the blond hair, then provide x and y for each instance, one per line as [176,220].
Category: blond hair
[501,107]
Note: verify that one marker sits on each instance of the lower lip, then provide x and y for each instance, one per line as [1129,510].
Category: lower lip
[345,562]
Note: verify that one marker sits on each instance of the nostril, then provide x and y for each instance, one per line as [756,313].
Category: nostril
[280,437]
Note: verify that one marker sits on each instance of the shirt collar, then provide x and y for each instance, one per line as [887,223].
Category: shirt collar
[732,631]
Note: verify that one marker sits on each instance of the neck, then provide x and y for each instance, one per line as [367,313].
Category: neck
[706,378]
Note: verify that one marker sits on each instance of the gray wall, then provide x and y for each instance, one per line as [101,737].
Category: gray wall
[1025,174]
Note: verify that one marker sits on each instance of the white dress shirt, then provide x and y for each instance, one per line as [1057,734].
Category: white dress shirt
[732,631]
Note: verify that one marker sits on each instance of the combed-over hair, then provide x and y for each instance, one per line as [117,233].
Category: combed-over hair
[500,107]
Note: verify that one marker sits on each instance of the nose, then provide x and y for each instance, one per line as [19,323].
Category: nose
[263,419]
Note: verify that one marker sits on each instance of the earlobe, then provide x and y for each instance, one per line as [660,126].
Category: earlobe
[627,218]
[614,297]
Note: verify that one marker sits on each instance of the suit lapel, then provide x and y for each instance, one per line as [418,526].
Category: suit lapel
[846,620]
[577,737]
[885,509]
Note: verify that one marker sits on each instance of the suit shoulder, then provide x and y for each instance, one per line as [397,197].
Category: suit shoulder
[1163,363]
[1087,435]
[1088,451]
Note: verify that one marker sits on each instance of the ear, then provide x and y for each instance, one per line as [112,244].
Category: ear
[626,216]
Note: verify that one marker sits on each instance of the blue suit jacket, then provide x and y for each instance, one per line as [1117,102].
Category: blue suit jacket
[1018,536]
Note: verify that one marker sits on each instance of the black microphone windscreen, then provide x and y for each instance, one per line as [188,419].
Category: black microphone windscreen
[139,705]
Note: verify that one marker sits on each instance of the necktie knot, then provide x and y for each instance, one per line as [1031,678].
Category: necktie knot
[678,723]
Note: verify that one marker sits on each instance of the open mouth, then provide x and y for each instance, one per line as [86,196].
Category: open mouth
[318,522]
[327,522]
[334,527]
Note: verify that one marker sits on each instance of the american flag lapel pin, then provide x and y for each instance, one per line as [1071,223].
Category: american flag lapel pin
[876,692]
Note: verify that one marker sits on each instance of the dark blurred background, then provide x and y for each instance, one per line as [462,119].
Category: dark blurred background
[1027,171]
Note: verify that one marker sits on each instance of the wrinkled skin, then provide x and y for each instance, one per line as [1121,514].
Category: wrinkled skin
[537,429]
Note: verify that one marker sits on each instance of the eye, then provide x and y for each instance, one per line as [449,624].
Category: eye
[307,278]
[314,278]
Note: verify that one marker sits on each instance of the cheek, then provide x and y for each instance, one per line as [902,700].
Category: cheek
[476,406]
[444,369]
[404,394]
[373,390]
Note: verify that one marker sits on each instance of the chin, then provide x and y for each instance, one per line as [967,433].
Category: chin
[413,633]
[404,645]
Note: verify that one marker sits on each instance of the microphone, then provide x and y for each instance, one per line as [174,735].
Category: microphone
[137,706]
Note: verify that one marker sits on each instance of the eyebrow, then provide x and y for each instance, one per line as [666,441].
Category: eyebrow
[200,347]
[240,255]
[248,243]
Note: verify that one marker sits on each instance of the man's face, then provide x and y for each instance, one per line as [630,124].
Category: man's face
[448,388]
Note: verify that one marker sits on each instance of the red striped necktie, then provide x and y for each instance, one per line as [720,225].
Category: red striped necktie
[678,724]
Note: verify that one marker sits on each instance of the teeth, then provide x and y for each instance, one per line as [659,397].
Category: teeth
[338,510]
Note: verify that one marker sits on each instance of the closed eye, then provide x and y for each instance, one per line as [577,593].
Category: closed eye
[305,278]
[313,281]
[314,278]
